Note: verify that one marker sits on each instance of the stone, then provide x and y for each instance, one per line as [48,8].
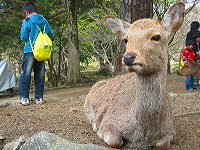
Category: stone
[49,141]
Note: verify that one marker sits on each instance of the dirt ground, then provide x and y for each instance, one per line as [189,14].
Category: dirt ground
[64,116]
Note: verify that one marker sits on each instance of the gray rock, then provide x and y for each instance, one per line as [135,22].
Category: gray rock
[4,104]
[49,141]
[15,145]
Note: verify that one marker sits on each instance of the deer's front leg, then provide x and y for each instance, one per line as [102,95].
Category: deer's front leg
[110,135]
[164,143]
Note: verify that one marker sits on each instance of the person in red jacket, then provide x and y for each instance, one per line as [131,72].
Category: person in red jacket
[188,53]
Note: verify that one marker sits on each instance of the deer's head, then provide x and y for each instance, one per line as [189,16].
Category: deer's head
[146,49]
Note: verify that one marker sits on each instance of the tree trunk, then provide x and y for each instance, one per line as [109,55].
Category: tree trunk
[118,58]
[73,74]
[137,9]
[52,73]
[59,57]
[133,10]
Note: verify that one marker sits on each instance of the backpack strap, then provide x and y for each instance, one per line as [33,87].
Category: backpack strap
[31,44]
[44,28]
[39,28]
[27,19]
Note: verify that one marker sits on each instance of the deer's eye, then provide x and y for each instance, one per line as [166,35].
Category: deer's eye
[156,37]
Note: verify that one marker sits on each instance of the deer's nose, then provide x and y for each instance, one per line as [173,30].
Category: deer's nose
[129,58]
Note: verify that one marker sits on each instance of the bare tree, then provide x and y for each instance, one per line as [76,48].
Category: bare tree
[73,73]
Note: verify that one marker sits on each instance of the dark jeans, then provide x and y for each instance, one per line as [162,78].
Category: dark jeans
[190,82]
[29,63]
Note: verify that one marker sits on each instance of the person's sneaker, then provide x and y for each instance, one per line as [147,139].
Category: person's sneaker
[190,89]
[39,101]
[24,101]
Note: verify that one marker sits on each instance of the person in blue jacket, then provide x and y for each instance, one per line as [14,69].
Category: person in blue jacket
[28,34]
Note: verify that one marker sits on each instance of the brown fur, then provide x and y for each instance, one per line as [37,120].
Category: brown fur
[191,68]
[135,106]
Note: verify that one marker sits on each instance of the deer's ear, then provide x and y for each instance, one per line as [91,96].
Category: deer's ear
[174,16]
[118,27]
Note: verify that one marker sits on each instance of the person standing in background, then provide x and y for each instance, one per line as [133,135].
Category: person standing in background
[186,54]
[194,26]
[196,37]
[28,33]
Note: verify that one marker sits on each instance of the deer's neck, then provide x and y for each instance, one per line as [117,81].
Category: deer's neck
[150,92]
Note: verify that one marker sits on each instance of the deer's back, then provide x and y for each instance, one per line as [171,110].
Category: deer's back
[112,98]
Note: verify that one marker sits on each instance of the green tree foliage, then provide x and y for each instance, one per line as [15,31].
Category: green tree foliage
[11,15]
[94,35]
[95,39]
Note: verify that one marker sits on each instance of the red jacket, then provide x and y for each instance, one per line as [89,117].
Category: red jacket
[188,54]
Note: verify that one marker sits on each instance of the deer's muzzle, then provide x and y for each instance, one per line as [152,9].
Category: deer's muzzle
[129,59]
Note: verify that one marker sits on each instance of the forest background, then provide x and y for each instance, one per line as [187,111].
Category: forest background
[82,41]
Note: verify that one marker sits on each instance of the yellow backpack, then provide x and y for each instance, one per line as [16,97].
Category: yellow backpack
[42,46]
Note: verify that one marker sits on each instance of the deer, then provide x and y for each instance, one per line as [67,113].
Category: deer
[134,109]
[190,68]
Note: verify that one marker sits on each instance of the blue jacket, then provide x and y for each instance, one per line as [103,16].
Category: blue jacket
[29,29]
